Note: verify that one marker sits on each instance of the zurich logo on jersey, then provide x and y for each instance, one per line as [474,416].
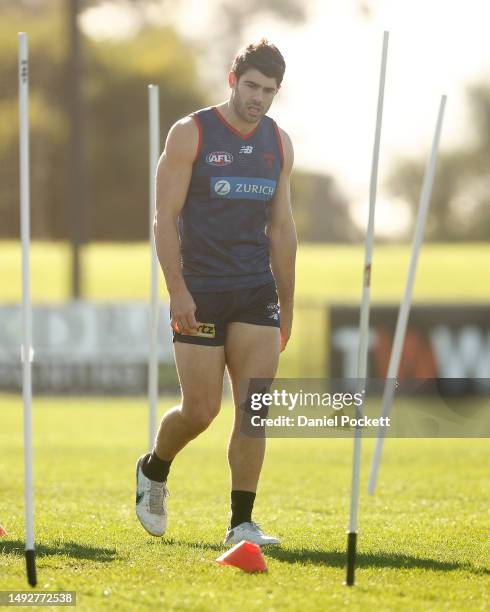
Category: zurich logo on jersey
[243,188]
[222,187]
[219,158]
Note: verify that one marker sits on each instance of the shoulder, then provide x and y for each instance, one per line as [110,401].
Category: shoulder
[287,147]
[183,139]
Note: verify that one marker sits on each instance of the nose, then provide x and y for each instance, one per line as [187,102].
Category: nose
[258,96]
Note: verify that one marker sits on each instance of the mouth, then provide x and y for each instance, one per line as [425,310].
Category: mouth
[254,109]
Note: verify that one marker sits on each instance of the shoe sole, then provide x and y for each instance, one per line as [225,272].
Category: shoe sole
[155,535]
[230,543]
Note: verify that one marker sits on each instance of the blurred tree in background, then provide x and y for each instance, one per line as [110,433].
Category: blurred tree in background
[321,212]
[237,15]
[47,122]
[460,203]
[117,118]
[115,94]
[114,88]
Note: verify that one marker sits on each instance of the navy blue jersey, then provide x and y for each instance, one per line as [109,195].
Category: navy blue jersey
[222,224]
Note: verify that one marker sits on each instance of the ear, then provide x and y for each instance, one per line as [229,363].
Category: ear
[232,80]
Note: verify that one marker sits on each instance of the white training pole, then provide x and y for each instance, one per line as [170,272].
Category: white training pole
[401,324]
[154,138]
[364,325]
[26,348]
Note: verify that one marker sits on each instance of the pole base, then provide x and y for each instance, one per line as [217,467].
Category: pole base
[351,558]
[31,567]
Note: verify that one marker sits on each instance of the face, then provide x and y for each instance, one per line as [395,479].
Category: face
[252,94]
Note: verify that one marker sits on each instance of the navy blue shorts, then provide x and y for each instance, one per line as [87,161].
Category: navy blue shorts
[258,306]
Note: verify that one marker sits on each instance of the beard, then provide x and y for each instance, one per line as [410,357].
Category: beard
[241,111]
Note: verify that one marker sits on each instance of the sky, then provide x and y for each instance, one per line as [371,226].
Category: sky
[328,100]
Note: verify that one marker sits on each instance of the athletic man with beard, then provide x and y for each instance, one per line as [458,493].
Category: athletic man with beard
[226,242]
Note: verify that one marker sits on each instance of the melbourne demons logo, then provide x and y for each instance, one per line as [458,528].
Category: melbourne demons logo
[273,311]
[219,158]
[269,159]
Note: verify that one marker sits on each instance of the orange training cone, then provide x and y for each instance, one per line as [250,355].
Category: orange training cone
[246,556]
[2,531]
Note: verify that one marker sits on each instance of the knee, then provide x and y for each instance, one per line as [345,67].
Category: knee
[199,414]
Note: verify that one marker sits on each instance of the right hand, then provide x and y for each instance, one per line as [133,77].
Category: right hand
[183,309]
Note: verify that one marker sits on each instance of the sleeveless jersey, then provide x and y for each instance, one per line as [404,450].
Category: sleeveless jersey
[222,223]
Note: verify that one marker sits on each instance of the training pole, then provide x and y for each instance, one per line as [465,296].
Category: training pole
[26,348]
[364,325]
[154,140]
[401,324]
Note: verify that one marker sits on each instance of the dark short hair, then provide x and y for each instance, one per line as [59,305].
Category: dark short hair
[264,57]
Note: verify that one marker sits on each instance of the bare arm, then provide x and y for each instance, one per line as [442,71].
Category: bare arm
[172,182]
[283,243]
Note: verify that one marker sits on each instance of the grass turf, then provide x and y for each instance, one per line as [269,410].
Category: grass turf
[423,542]
[325,273]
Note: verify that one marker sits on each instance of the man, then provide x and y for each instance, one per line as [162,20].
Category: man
[223,222]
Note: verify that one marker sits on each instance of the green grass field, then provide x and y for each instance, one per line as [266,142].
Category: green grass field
[423,542]
[325,273]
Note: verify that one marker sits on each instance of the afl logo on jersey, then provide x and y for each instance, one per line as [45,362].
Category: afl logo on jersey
[219,158]
[222,187]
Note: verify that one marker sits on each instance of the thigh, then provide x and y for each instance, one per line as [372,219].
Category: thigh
[252,351]
[200,369]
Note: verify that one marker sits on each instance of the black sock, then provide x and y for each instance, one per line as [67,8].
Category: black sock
[155,468]
[242,503]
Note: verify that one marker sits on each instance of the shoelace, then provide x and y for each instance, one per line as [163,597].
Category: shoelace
[158,492]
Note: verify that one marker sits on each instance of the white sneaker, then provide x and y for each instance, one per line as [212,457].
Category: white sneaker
[151,502]
[248,531]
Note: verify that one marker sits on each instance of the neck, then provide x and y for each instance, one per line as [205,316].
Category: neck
[228,111]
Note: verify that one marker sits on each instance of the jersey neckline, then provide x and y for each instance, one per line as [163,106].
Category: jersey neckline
[234,129]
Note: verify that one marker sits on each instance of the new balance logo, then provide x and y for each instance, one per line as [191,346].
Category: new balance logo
[247,149]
